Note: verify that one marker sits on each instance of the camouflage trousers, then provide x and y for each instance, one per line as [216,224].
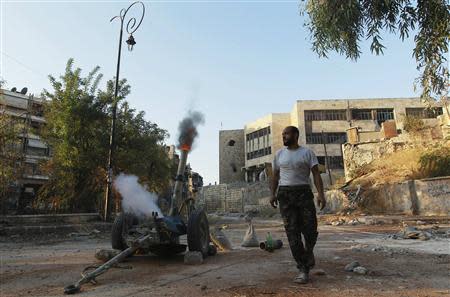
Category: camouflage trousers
[299,216]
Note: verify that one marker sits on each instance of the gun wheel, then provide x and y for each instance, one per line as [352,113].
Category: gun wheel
[198,232]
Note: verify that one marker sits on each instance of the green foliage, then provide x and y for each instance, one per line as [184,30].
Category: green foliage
[78,126]
[9,156]
[340,26]
[436,161]
[413,124]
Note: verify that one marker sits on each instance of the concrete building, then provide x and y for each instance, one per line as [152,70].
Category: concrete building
[231,156]
[322,125]
[27,111]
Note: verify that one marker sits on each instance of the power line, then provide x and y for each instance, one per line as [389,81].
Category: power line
[23,65]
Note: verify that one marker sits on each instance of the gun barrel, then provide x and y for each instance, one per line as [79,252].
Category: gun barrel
[178,188]
[72,289]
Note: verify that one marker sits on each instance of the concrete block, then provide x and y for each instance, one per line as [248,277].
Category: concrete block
[193,258]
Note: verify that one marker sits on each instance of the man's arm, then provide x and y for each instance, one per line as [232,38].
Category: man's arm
[274,186]
[319,186]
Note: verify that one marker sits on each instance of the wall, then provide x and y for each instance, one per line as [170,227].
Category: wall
[433,196]
[234,197]
[231,158]
[426,197]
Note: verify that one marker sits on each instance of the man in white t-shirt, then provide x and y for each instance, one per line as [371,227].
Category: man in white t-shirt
[291,189]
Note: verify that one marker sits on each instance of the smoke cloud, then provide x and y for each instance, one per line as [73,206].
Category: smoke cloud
[187,128]
[136,199]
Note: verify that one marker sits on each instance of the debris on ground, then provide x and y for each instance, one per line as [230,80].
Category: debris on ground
[413,233]
[338,222]
[356,268]
[106,254]
[360,270]
[193,258]
[351,266]
[319,272]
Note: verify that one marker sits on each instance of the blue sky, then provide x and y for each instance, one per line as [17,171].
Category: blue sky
[234,61]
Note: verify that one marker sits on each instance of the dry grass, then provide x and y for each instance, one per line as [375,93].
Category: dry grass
[393,168]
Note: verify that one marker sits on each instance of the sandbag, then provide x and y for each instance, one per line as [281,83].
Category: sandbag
[220,240]
[250,238]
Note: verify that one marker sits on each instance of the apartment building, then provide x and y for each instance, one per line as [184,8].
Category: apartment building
[27,112]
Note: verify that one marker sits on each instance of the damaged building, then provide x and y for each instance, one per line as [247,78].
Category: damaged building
[246,154]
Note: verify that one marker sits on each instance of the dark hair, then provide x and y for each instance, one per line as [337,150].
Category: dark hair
[294,130]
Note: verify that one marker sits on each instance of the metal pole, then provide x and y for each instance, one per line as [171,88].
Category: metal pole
[131,27]
[112,138]
[327,164]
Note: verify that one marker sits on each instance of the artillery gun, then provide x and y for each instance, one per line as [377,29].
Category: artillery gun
[159,234]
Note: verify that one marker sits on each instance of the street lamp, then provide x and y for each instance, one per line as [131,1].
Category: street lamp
[131,27]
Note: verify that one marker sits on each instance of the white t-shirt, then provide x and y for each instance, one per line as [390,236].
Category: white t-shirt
[294,165]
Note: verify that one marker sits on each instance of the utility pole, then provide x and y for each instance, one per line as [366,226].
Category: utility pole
[131,27]
[327,163]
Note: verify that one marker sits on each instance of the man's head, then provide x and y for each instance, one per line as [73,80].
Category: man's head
[290,135]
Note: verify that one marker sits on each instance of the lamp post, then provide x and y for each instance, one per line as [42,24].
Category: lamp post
[131,26]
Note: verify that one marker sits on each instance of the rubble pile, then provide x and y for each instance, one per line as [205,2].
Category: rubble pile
[410,232]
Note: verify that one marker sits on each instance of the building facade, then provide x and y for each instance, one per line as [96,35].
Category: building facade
[231,156]
[27,111]
[322,125]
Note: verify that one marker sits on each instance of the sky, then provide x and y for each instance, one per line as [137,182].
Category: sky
[235,61]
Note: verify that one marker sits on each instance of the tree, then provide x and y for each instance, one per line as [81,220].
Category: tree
[9,157]
[341,25]
[78,126]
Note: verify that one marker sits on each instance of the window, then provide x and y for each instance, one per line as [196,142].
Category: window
[385,114]
[330,137]
[334,162]
[424,113]
[258,143]
[362,114]
[326,115]
[231,142]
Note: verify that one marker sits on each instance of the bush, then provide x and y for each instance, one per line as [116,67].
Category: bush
[435,162]
[412,124]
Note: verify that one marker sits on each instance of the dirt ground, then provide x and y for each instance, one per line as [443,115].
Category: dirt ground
[43,266]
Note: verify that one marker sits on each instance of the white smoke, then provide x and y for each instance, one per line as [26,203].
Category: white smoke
[136,199]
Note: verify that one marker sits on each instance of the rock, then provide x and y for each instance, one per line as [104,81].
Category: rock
[353,222]
[421,223]
[193,258]
[105,254]
[336,258]
[319,272]
[414,233]
[337,223]
[351,266]
[360,270]
[424,236]
[377,249]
